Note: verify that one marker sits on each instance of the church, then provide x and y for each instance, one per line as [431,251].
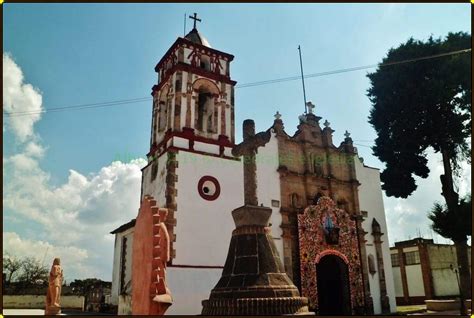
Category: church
[328,220]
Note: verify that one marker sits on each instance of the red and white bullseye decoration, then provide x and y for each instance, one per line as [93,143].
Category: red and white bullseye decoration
[209,188]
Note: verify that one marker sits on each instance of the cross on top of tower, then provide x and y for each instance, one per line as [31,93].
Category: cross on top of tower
[310,107]
[195,18]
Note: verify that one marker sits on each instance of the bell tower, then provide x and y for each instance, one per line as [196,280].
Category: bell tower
[194,94]
[191,170]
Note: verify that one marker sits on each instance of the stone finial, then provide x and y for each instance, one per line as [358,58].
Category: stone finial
[248,148]
[347,134]
[302,118]
[277,115]
[310,106]
[326,123]
[53,295]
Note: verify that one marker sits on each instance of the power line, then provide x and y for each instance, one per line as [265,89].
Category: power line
[252,84]
[78,107]
[352,69]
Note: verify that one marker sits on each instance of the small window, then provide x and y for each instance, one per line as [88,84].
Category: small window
[154,170]
[412,258]
[394,258]
[177,86]
[371,262]
[205,62]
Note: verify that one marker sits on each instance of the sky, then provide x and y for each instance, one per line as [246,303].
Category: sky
[71,177]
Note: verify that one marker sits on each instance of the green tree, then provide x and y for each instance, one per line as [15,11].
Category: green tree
[11,267]
[420,105]
[32,272]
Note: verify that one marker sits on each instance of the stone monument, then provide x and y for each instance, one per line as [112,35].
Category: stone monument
[253,280]
[53,296]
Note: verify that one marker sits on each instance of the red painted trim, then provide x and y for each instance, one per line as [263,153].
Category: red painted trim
[331,252]
[187,43]
[188,133]
[181,66]
[206,196]
[202,153]
[194,266]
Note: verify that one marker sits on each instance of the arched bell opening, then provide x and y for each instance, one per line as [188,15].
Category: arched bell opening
[205,111]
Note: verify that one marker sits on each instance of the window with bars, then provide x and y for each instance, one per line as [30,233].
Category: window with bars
[395,261]
[412,258]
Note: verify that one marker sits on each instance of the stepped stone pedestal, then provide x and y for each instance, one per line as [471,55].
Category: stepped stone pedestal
[253,280]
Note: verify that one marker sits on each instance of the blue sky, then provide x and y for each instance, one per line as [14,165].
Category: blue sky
[76,54]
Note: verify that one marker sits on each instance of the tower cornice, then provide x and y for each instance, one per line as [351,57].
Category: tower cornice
[188,43]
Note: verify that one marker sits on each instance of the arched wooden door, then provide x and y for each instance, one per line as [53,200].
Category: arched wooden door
[333,286]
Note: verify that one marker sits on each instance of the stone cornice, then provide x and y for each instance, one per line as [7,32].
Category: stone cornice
[187,43]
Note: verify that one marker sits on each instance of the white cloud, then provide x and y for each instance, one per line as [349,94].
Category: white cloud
[407,218]
[19,97]
[80,212]
[76,217]
[72,257]
[34,149]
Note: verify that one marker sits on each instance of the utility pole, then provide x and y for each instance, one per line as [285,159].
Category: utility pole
[302,79]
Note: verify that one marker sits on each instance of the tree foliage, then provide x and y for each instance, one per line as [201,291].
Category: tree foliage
[11,267]
[455,226]
[25,272]
[83,286]
[421,104]
[33,272]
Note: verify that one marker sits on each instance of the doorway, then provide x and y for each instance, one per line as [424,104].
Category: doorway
[333,286]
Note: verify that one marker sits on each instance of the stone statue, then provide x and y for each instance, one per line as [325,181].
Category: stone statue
[54,289]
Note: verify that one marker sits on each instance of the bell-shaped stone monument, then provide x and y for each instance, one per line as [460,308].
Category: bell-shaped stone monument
[254,281]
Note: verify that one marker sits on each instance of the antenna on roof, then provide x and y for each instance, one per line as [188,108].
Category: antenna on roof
[302,80]
[184,32]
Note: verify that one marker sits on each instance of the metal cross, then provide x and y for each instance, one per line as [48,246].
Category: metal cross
[310,107]
[347,134]
[195,19]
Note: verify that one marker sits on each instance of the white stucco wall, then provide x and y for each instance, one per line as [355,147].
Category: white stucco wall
[268,187]
[157,187]
[189,287]
[371,200]
[204,228]
[444,282]
[116,269]
[397,280]
[415,280]
[444,279]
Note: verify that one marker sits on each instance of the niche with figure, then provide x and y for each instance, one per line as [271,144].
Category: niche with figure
[205,108]
[295,201]
[205,111]
[371,261]
[162,115]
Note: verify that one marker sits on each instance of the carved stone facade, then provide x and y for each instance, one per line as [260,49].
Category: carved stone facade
[310,167]
[326,230]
